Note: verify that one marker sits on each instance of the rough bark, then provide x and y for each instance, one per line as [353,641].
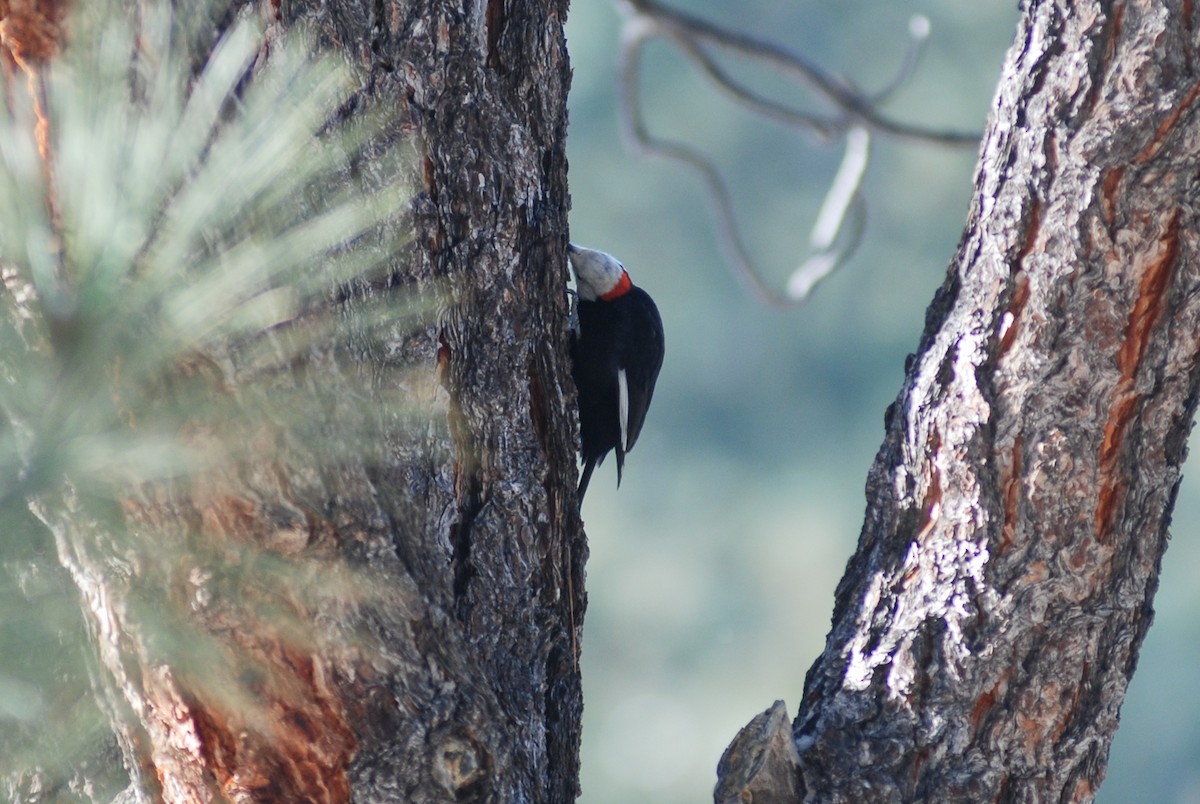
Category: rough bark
[989,623]
[455,677]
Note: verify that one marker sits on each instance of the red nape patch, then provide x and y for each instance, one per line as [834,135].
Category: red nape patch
[622,287]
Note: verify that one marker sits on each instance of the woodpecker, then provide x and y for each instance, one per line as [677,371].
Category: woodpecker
[617,351]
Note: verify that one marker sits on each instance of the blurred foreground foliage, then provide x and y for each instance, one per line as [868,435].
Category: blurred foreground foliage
[199,210]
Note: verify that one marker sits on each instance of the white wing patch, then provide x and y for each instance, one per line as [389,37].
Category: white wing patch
[623,406]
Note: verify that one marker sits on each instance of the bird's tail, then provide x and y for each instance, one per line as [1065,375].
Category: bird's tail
[585,478]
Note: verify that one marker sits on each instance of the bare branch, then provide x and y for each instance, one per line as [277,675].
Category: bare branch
[633,126]
[842,200]
[918,31]
[840,224]
[825,128]
[859,109]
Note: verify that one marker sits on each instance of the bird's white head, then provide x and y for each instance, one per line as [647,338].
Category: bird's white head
[597,275]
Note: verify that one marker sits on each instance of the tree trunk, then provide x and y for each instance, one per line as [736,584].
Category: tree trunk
[989,623]
[442,664]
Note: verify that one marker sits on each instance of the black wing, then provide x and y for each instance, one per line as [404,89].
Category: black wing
[641,362]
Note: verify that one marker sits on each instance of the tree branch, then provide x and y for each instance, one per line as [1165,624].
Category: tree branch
[839,227]
[987,627]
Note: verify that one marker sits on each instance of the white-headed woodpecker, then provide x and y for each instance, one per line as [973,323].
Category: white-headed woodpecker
[617,352]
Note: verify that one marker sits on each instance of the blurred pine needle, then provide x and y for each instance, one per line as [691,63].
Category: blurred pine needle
[180,214]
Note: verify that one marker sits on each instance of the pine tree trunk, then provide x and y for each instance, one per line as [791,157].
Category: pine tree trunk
[989,623]
[987,627]
[447,667]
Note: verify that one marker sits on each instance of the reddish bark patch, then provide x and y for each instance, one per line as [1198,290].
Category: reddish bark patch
[495,17]
[918,762]
[218,745]
[1166,126]
[933,497]
[1146,311]
[1011,483]
[295,746]
[1108,194]
[988,700]
[1071,708]
[1114,34]
[1016,306]
[30,34]
[1033,228]
[1110,39]
[31,30]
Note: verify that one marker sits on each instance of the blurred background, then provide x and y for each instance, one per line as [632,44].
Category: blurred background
[712,571]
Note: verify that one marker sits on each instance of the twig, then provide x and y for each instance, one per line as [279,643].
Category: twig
[840,224]
[842,202]
[859,109]
[633,125]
